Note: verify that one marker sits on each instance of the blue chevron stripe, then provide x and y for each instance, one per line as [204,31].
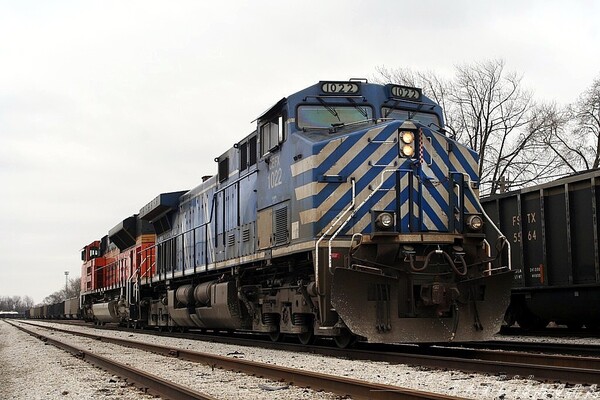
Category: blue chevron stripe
[338,152]
[435,194]
[361,184]
[464,164]
[347,145]
[405,219]
[441,151]
[472,199]
[440,226]
[431,189]
[387,184]
[346,170]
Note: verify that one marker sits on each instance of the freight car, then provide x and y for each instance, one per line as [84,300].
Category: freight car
[68,309]
[348,213]
[11,314]
[554,251]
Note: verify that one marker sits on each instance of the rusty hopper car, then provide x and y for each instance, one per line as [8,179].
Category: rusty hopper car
[553,230]
[348,213]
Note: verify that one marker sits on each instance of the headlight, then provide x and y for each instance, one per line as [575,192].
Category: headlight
[475,223]
[408,150]
[385,220]
[407,143]
[408,137]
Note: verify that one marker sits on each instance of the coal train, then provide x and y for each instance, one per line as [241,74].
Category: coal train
[347,213]
[553,229]
[66,309]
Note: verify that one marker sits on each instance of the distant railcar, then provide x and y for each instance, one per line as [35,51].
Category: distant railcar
[71,308]
[9,314]
[348,213]
[553,229]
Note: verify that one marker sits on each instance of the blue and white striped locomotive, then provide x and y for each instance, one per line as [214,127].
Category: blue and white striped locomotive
[348,213]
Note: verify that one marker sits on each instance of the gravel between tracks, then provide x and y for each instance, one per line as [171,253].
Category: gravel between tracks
[238,386]
[30,370]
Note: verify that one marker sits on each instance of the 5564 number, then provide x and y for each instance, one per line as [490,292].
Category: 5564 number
[531,235]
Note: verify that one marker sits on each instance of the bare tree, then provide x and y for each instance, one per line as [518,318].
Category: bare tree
[492,117]
[572,133]
[585,114]
[434,86]
[487,109]
[72,290]
[552,122]
[15,303]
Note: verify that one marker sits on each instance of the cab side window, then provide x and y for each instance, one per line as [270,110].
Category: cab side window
[271,135]
[248,152]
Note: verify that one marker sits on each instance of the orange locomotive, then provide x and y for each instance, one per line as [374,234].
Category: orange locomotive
[112,267]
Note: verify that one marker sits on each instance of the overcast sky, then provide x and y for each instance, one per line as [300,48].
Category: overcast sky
[106,104]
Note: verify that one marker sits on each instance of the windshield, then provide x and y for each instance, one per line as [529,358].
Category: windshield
[328,115]
[424,118]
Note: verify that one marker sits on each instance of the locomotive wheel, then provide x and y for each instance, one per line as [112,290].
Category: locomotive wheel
[510,317]
[307,338]
[275,336]
[345,339]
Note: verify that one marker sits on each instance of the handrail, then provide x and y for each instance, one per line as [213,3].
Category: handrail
[353,181]
[356,210]
[487,217]
[127,289]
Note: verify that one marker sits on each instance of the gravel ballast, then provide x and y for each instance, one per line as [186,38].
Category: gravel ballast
[224,384]
[29,370]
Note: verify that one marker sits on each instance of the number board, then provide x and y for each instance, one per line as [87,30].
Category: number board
[405,92]
[340,87]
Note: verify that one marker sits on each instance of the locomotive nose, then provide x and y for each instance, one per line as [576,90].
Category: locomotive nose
[371,305]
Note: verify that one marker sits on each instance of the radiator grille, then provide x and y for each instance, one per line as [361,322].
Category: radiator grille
[231,240]
[280,235]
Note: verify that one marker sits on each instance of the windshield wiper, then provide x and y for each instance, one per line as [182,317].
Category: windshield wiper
[334,127]
[360,110]
[329,108]
[392,108]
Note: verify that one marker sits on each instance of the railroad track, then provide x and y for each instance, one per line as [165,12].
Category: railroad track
[142,379]
[252,340]
[357,389]
[551,332]
[537,347]
[542,367]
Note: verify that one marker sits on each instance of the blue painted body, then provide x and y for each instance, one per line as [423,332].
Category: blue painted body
[309,176]
[344,213]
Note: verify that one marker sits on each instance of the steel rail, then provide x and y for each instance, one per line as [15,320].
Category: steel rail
[499,344]
[536,347]
[357,389]
[142,379]
[552,367]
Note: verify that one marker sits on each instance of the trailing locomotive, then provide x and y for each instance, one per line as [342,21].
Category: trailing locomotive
[553,229]
[347,213]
